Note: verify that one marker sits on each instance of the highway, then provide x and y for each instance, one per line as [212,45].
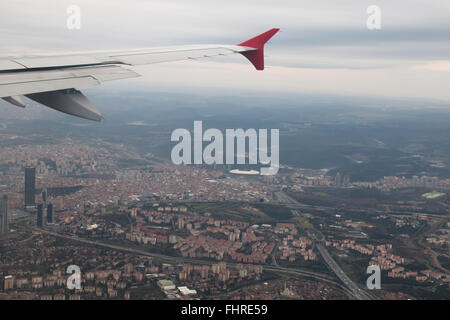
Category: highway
[349,287]
[357,292]
[280,270]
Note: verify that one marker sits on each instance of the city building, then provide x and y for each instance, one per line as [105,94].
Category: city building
[9,283]
[44,196]
[166,285]
[185,291]
[30,187]
[337,180]
[346,181]
[50,213]
[4,214]
[39,218]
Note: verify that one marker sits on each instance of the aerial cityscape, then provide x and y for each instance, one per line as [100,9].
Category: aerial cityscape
[309,162]
[140,227]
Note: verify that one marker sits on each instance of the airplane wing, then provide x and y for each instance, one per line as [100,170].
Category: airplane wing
[56,81]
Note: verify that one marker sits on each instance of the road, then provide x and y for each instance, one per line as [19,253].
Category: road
[162,257]
[350,288]
[357,292]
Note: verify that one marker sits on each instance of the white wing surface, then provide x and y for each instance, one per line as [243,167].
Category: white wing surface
[57,80]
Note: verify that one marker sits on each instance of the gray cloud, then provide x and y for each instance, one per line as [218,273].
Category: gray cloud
[330,35]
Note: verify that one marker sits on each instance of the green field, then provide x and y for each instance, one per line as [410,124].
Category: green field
[433,195]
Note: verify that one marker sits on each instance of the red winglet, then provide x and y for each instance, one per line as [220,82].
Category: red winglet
[256,57]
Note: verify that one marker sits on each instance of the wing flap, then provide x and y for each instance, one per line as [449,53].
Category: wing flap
[6,65]
[19,88]
[18,83]
[70,101]
[56,61]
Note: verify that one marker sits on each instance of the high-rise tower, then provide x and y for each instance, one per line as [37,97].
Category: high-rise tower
[4,214]
[39,217]
[50,213]
[30,187]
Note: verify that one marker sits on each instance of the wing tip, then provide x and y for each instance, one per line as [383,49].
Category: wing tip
[259,41]
[256,57]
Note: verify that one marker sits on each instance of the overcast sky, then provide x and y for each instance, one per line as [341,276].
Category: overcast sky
[324,46]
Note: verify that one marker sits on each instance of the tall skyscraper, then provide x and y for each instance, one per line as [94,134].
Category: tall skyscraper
[4,214]
[346,181]
[39,217]
[30,187]
[337,180]
[49,213]
[44,205]
[44,196]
